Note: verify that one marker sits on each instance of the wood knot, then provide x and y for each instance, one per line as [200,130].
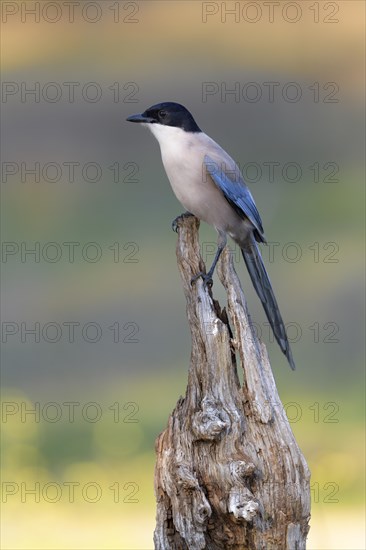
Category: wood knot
[210,421]
[240,469]
[202,510]
[242,504]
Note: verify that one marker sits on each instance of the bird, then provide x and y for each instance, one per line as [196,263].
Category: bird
[209,184]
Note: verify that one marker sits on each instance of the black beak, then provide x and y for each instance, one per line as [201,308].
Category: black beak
[139,118]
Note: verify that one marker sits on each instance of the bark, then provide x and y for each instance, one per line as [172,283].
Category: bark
[229,473]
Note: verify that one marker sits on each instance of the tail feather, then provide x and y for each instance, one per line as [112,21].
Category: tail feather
[263,287]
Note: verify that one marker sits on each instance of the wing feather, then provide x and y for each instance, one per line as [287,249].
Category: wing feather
[236,192]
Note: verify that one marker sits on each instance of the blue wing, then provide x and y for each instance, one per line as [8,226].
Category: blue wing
[236,192]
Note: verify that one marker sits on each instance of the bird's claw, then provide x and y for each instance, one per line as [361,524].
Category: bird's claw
[206,277]
[175,222]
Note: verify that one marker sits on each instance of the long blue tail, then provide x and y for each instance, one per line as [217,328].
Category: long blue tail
[263,287]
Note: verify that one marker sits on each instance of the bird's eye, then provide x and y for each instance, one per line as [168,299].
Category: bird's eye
[162,114]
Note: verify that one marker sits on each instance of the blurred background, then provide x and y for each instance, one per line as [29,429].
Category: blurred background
[95,341]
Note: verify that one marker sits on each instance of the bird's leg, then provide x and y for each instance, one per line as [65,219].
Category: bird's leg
[207,277]
[185,214]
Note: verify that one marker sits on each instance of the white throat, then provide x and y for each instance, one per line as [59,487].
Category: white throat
[168,134]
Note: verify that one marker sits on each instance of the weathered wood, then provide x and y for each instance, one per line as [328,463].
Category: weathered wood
[229,473]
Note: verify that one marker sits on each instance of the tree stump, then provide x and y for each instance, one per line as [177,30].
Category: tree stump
[229,473]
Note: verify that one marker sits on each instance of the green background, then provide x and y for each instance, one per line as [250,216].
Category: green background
[123,391]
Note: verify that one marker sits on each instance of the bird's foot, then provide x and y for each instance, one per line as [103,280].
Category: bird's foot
[176,221]
[206,277]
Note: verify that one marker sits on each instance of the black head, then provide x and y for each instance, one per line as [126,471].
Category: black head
[167,114]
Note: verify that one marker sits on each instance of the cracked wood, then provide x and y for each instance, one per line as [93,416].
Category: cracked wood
[229,473]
